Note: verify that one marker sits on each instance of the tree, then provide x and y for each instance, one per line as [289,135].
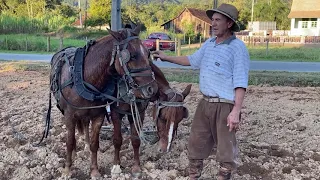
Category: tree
[99,12]
[273,10]
[51,4]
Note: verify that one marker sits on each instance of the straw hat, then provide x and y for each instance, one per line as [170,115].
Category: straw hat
[229,11]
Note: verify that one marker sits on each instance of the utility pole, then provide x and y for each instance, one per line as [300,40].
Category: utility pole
[215,4]
[116,15]
[85,13]
[80,16]
[252,15]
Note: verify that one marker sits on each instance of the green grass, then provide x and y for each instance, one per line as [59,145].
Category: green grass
[25,52]
[292,54]
[16,43]
[272,78]
[22,42]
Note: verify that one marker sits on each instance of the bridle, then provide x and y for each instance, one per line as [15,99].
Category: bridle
[124,58]
[170,103]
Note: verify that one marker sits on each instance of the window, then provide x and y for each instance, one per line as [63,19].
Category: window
[313,24]
[304,24]
[296,22]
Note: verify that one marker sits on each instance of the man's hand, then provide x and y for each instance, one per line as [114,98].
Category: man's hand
[233,120]
[159,54]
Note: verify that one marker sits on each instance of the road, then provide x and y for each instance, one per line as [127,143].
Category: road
[254,65]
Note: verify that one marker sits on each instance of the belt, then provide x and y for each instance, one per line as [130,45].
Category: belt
[217,100]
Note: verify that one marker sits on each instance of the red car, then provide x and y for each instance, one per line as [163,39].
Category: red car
[165,42]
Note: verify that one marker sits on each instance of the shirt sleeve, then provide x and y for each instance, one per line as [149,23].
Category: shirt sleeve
[241,67]
[195,58]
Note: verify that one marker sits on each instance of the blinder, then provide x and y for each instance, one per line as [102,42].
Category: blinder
[124,57]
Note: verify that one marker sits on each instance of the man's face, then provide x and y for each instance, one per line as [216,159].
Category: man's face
[220,24]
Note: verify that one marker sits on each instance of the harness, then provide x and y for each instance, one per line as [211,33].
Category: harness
[74,58]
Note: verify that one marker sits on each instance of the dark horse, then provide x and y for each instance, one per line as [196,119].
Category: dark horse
[168,112]
[83,81]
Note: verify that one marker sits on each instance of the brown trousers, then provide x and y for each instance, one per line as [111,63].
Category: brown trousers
[209,128]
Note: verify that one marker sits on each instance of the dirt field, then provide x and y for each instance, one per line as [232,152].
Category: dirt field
[279,136]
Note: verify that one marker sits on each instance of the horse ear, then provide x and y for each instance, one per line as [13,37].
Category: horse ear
[137,30]
[132,24]
[115,34]
[186,91]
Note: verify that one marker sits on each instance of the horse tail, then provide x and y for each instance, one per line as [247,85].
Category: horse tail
[47,125]
[80,126]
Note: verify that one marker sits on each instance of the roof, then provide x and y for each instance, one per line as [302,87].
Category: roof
[305,9]
[198,13]
[77,22]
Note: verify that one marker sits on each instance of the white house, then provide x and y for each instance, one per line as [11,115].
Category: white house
[305,18]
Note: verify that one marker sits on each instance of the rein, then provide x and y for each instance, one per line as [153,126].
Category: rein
[90,90]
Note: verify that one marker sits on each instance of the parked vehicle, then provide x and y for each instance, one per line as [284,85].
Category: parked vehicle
[165,42]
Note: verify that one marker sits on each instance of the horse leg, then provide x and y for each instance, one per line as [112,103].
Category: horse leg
[71,143]
[86,136]
[94,145]
[135,141]
[117,142]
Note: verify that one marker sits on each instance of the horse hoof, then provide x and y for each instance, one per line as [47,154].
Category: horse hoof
[136,175]
[66,174]
[95,174]
[115,171]
[136,172]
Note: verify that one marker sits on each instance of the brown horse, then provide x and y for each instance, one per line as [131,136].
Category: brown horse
[83,82]
[169,111]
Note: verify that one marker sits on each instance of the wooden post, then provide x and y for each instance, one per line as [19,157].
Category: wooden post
[48,44]
[26,43]
[61,42]
[7,47]
[157,45]
[179,48]
[267,46]
[200,41]
[175,45]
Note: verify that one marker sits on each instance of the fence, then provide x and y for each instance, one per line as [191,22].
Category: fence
[299,40]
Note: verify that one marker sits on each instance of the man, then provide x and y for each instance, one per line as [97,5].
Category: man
[224,65]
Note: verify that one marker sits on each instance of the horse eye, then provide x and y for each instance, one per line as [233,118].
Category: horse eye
[133,56]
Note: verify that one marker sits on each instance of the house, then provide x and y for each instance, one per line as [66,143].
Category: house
[258,26]
[201,22]
[305,18]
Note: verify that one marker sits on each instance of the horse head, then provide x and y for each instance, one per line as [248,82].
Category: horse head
[131,62]
[168,113]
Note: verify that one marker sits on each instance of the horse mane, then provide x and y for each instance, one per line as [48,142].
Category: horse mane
[102,56]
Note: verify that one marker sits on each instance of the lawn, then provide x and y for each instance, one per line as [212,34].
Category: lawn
[22,43]
[258,53]
[192,76]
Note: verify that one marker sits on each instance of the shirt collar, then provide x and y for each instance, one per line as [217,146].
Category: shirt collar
[227,41]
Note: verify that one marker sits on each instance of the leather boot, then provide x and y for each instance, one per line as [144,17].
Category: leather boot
[224,173]
[195,168]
